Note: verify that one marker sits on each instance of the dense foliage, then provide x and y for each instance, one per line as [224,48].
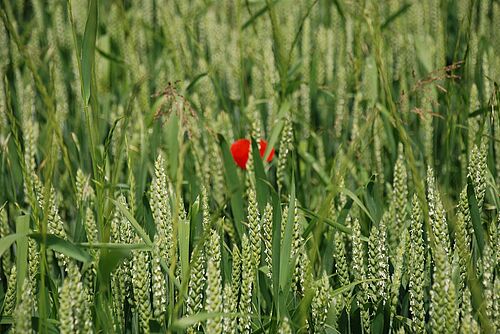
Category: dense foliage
[126,207]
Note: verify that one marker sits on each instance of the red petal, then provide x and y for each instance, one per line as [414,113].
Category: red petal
[262,149]
[239,150]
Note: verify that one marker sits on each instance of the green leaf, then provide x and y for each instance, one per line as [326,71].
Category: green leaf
[256,15]
[276,244]
[286,262]
[51,325]
[22,227]
[480,111]
[195,80]
[8,240]
[106,245]
[394,16]
[233,185]
[88,49]
[191,320]
[303,308]
[108,262]
[260,177]
[335,224]
[358,202]
[62,246]
[373,206]
[378,321]
[273,140]
[109,136]
[183,233]
[475,215]
[314,164]
[110,57]
[140,231]
[351,286]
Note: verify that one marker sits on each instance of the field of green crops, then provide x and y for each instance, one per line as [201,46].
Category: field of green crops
[250,166]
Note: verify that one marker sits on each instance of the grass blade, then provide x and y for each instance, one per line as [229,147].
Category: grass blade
[233,185]
[140,231]
[475,215]
[261,184]
[62,246]
[22,228]
[88,49]
[8,240]
[286,262]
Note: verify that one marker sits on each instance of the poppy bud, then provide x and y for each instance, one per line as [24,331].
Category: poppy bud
[241,148]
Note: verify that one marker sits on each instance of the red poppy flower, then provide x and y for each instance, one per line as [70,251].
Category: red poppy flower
[241,148]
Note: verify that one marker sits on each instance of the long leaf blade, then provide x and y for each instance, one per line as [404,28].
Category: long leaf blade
[475,215]
[62,246]
[233,185]
[8,240]
[88,49]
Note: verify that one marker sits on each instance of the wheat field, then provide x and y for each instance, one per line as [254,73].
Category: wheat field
[250,166]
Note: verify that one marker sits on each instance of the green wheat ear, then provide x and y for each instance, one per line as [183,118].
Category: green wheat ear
[285,147]
[267,238]
[496,302]
[161,208]
[342,270]
[24,310]
[437,215]
[321,303]
[9,302]
[477,171]
[30,134]
[333,77]
[488,271]
[159,283]
[254,227]
[90,274]
[472,122]
[84,190]
[399,200]
[302,275]
[462,246]
[55,226]
[375,294]
[247,280]
[255,119]
[417,266]
[378,147]
[230,323]
[66,323]
[231,294]
[141,280]
[213,302]
[5,231]
[194,302]
[236,274]
[468,323]
[284,327]
[33,261]
[359,269]
[216,173]
[396,276]
[73,311]
[121,276]
[443,308]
